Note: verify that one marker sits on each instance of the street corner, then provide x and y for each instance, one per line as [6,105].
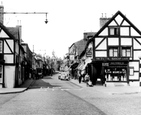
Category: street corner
[19,89]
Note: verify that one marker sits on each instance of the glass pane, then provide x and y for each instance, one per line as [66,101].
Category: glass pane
[123,52]
[115,54]
[110,52]
[116,31]
[112,31]
[128,54]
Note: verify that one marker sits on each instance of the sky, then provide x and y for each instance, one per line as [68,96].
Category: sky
[68,20]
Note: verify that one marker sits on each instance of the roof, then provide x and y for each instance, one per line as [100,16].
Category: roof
[80,45]
[7,31]
[14,31]
[107,23]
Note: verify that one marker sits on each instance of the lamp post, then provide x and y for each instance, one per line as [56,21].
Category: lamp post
[46,20]
[2,14]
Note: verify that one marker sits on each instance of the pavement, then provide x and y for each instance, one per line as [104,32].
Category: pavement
[116,89]
[110,89]
[20,89]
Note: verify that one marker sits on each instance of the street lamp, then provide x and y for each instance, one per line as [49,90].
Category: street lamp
[2,13]
[46,21]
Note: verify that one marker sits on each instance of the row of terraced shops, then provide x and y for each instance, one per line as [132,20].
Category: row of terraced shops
[115,52]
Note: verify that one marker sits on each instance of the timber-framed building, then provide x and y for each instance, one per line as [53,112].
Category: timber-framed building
[115,50]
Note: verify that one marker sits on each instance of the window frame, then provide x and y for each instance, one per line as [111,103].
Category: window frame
[126,48]
[113,48]
[116,31]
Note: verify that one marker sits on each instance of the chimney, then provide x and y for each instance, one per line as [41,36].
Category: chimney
[1,14]
[103,20]
[19,27]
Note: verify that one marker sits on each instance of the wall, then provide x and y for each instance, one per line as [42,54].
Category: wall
[9,72]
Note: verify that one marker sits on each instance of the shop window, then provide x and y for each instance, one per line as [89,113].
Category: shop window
[126,51]
[113,31]
[113,52]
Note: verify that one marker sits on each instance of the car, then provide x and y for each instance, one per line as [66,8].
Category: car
[64,76]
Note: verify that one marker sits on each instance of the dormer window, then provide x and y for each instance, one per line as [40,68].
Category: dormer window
[113,31]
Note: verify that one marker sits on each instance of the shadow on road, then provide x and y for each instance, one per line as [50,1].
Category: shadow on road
[42,84]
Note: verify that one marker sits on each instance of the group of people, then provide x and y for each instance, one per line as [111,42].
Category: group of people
[81,73]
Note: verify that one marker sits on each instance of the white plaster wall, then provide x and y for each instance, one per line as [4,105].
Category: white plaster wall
[137,55]
[135,76]
[104,32]
[124,31]
[113,41]
[103,45]
[135,65]
[98,40]
[9,72]
[3,34]
[136,68]
[126,41]
[100,54]
[6,48]
[9,58]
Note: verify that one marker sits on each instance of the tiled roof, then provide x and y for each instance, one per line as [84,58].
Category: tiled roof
[14,31]
[80,45]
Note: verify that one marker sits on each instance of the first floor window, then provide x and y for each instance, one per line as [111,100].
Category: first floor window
[126,51]
[113,52]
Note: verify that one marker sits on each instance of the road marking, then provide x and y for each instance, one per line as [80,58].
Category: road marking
[56,88]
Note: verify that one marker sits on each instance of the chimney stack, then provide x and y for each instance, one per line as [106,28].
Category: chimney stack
[103,20]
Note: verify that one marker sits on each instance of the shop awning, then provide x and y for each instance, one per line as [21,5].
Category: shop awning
[82,66]
[74,66]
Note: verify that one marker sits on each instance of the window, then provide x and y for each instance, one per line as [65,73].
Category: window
[131,71]
[113,52]
[126,51]
[1,73]
[113,31]
[0,46]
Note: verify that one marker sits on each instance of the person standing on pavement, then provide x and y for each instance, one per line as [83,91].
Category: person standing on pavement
[79,76]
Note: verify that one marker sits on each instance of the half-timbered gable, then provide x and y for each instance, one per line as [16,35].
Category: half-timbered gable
[10,55]
[117,48]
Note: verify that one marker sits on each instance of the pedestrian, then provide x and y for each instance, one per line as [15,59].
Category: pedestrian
[79,76]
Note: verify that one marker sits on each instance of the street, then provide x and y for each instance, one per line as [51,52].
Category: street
[51,96]
[47,96]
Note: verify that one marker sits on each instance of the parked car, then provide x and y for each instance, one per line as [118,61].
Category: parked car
[64,76]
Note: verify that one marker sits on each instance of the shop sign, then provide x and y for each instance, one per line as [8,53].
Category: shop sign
[89,52]
[111,59]
[71,57]
[117,63]
[105,64]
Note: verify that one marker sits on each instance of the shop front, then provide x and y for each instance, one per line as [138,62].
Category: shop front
[113,69]
[116,71]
